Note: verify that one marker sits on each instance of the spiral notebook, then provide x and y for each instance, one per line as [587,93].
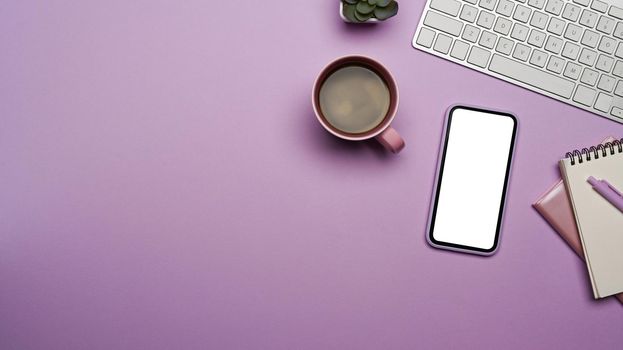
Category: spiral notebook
[555,207]
[600,224]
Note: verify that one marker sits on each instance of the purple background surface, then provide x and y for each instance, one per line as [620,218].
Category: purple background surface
[166,186]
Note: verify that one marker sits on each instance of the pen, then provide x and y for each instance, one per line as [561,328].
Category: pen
[609,192]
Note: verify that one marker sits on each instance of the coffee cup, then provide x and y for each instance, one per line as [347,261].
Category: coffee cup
[356,98]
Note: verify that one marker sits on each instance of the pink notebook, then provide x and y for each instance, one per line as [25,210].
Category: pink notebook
[555,207]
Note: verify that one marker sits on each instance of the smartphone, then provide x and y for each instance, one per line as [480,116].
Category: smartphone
[473,171]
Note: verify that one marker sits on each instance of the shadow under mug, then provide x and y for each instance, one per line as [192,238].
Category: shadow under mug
[383,132]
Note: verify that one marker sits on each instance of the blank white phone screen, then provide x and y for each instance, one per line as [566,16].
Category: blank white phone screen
[473,178]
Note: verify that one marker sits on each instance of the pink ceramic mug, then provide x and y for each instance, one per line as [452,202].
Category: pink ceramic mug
[383,132]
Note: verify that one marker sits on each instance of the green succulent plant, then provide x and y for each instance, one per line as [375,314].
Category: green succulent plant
[358,11]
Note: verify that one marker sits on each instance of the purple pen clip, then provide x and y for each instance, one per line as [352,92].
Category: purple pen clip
[614,189]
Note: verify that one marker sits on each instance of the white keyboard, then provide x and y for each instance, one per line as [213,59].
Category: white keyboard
[569,50]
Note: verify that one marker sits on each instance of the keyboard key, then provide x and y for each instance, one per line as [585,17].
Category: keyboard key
[573,32]
[473,2]
[486,19]
[554,7]
[589,77]
[529,75]
[556,26]
[590,38]
[536,38]
[468,13]
[599,6]
[570,51]
[618,69]
[618,30]
[539,20]
[443,43]
[607,45]
[604,63]
[478,57]
[470,33]
[605,25]
[450,7]
[520,32]
[617,112]
[539,58]
[571,12]
[584,95]
[582,2]
[443,23]
[572,71]
[505,8]
[553,44]
[487,4]
[603,102]
[459,50]
[619,90]
[616,12]
[426,37]
[588,18]
[504,46]
[502,26]
[606,83]
[588,57]
[555,64]
[619,52]
[487,39]
[536,3]
[522,13]
[522,52]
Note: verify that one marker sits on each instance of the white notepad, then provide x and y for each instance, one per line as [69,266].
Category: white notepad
[599,222]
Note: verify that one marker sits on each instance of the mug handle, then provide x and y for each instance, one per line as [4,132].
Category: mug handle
[391,140]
